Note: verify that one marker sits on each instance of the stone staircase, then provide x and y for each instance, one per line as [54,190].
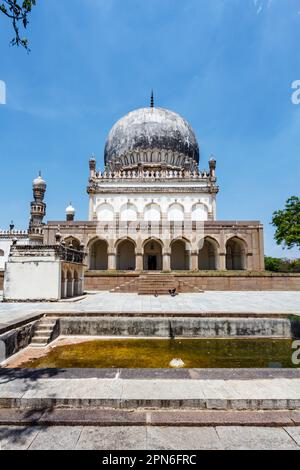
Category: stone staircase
[128,286]
[44,332]
[156,283]
[160,283]
[187,287]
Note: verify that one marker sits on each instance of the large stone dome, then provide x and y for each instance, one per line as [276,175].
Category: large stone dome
[147,129]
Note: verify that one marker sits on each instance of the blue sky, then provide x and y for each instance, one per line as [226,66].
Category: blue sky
[226,65]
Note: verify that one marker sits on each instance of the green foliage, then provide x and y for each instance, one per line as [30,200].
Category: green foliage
[18,12]
[287,223]
[282,265]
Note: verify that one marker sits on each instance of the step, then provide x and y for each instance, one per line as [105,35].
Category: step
[40,339]
[44,328]
[113,417]
[183,394]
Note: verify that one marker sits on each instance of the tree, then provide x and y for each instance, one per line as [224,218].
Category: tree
[282,265]
[287,223]
[18,12]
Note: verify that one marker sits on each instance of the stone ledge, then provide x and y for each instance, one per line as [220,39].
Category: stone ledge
[33,375]
[112,417]
[154,395]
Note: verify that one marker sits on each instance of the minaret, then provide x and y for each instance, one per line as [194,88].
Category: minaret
[70,212]
[37,211]
[92,165]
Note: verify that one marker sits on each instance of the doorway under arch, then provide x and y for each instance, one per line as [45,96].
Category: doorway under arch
[126,255]
[235,254]
[180,255]
[208,255]
[98,258]
[152,256]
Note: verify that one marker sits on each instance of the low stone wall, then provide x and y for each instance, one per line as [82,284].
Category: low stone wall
[176,327]
[242,282]
[213,280]
[14,340]
[94,281]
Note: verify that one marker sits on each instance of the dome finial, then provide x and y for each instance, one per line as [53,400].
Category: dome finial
[152,100]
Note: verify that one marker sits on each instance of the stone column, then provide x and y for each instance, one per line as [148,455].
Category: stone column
[73,287]
[111,260]
[139,261]
[194,260]
[222,262]
[81,284]
[261,249]
[65,287]
[91,207]
[214,207]
[166,262]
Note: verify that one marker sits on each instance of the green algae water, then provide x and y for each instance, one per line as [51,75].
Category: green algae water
[158,353]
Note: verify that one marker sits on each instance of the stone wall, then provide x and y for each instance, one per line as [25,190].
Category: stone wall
[14,340]
[176,327]
[244,282]
[212,281]
[247,234]
[103,282]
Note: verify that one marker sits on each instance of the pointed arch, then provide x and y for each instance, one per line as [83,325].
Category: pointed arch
[73,241]
[208,255]
[125,250]
[128,211]
[236,249]
[199,212]
[152,254]
[152,212]
[98,254]
[180,254]
[105,212]
[176,212]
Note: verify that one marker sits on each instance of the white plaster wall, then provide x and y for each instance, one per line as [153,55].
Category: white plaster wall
[5,246]
[152,211]
[139,202]
[176,212]
[32,280]
[105,211]
[128,212]
[199,212]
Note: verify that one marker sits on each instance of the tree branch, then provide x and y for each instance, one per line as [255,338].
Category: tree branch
[18,12]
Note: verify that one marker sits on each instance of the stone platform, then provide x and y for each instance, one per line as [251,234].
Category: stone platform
[153,389]
[35,412]
[148,438]
[208,303]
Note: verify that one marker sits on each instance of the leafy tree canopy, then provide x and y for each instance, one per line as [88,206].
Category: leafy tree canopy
[18,12]
[282,265]
[287,223]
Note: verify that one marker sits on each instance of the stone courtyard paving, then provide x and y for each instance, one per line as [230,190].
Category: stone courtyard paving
[148,438]
[157,437]
[254,302]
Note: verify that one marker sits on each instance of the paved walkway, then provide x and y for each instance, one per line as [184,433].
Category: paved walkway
[148,438]
[35,391]
[256,302]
